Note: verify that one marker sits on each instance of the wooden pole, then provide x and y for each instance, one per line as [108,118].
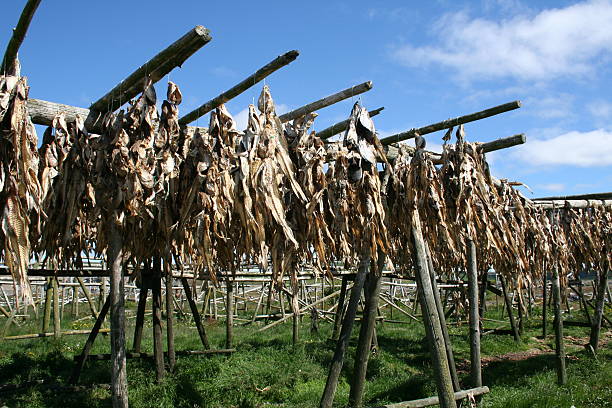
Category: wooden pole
[559,344]
[342,126]
[295,308]
[431,317]
[229,312]
[169,314]
[345,332]
[472,272]
[599,305]
[327,101]
[82,358]
[544,304]
[340,309]
[140,314]
[196,315]
[158,348]
[117,316]
[508,302]
[427,402]
[236,90]
[10,65]
[440,308]
[448,123]
[48,300]
[57,327]
[366,332]
[156,68]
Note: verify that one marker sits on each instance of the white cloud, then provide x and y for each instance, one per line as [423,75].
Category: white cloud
[554,43]
[583,149]
[550,107]
[600,109]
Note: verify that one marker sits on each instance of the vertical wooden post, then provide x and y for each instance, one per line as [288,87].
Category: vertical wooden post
[345,332]
[450,356]
[57,329]
[475,364]
[142,305]
[169,313]
[295,309]
[508,302]
[559,343]
[544,290]
[340,309]
[74,297]
[48,300]
[196,315]
[599,304]
[521,310]
[229,311]
[366,332]
[483,295]
[158,349]
[117,315]
[431,317]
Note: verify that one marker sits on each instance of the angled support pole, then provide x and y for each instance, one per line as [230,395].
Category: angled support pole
[236,90]
[156,68]
[10,64]
[448,123]
[327,101]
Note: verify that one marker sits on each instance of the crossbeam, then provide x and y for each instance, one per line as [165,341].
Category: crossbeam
[449,123]
[10,65]
[236,90]
[156,68]
[327,101]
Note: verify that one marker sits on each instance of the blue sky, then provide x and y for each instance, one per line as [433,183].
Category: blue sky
[428,61]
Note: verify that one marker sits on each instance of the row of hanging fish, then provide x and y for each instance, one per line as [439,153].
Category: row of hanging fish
[274,194]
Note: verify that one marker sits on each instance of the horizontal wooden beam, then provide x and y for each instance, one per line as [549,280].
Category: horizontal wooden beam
[503,143]
[592,196]
[448,123]
[427,402]
[573,204]
[42,113]
[10,65]
[342,126]
[236,90]
[327,101]
[156,68]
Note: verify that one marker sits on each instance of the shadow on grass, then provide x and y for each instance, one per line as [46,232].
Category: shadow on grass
[516,372]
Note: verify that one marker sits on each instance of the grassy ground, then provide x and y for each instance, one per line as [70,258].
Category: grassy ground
[268,371]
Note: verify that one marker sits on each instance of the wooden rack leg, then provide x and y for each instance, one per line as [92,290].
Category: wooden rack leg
[431,318]
[340,309]
[450,356]
[229,312]
[366,332]
[559,343]
[508,302]
[80,363]
[196,315]
[140,314]
[345,333]
[157,329]
[169,314]
[599,305]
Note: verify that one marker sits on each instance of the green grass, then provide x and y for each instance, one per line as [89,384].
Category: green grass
[268,371]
